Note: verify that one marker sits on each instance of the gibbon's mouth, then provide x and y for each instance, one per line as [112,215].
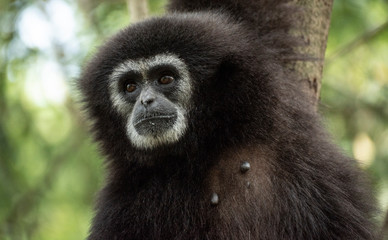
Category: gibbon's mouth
[151,118]
[154,125]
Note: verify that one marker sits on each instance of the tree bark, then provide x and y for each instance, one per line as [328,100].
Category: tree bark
[138,10]
[384,231]
[313,29]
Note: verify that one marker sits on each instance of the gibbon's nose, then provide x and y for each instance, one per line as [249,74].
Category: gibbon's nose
[147,97]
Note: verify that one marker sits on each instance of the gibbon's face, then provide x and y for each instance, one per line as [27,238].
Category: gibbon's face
[152,94]
[163,78]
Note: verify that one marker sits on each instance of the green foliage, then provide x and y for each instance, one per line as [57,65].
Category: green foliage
[50,170]
[355,85]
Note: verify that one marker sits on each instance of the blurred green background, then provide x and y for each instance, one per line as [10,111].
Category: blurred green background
[50,170]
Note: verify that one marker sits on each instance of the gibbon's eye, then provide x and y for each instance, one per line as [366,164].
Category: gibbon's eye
[130,87]
[166,79]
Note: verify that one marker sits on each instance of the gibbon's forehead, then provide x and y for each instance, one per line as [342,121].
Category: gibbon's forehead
[142,65]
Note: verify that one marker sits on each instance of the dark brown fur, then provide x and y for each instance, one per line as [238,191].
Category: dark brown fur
[245,107]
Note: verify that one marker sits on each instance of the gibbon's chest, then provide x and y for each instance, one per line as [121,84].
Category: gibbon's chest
[235,189]
[241,184]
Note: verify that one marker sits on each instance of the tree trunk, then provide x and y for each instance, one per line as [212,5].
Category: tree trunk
[313,29]
[384,232]
[310,23]
[138,10]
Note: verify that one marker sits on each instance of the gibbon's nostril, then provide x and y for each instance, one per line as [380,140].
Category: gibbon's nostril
[147,97]
[147,100]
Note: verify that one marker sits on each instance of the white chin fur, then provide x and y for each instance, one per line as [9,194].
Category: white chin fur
[170,136]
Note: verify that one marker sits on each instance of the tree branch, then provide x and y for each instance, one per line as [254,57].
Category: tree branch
[360,40]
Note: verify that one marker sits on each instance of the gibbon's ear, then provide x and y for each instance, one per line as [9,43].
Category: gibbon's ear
[227,70]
